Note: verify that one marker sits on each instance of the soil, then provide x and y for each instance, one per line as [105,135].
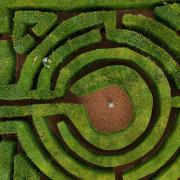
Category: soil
[109,109]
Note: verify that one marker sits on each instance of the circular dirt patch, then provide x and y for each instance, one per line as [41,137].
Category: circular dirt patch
[109,109]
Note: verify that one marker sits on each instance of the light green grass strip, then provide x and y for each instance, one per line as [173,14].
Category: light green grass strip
[169,14]
[170,172]
[62,5]
[155,29]
[7,151]
[158,160]
[77,168]
[23,169]
[176,101]
[32,148]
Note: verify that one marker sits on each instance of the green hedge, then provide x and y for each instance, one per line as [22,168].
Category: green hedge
[29,141]
[5,21]
[169,14]
[137,90]
[171,171]
[23,168]
[155,74]
[159,55]
[68,28]
[7,151]
[160,158]
[155,29]
[33,148]
[61,32]
[41,23]
[62,53]
[176,101]
[62,5]
[7,63]
[76,167]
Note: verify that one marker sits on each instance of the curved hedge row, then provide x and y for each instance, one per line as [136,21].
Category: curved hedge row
[176,101]
[127,55]
[32,148]
[69,27]
[159,159]
[7,150]
[61,32]
[136,89]
[153,51]
[61,5]
[93,19]
[155,29]
[77,168]
[41,23]
[159,55]
[171,171]
[63,52]
[169,14]
[7,63]
[23,169]
[5,17]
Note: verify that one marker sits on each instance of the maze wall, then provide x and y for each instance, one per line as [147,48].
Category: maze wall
[51,50]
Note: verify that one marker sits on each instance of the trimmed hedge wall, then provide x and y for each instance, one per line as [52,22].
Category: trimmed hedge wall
[7,151]
[61,5]
[7,63]
[72,46]
[23,169]
[169,14]
[155,29]
[41,23]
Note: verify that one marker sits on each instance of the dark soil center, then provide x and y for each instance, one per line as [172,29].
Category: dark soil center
[109,109]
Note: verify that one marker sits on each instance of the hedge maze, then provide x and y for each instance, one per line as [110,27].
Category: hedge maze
[53,53]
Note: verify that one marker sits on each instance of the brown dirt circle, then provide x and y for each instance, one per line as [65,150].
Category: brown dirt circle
[109,109]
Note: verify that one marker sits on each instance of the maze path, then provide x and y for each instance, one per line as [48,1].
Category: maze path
[79,56]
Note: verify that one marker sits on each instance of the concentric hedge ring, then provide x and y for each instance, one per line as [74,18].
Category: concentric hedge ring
[136,89]
[58,139]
